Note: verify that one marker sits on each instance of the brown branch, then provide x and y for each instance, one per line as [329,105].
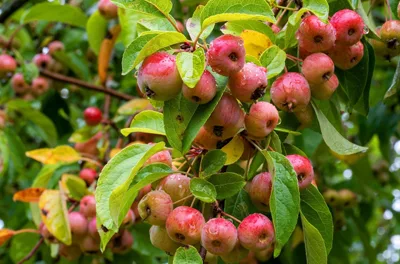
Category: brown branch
[66,79]
[33,251]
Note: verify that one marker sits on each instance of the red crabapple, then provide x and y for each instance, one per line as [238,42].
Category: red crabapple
[346,57]
[45,233]
[43,61]
[55,46]
[108,9]
[314,35]
[18,83]
[260,191]
[92,116]
[129,219]
[349,27]
[8,65]
[261,120]
[155,207]
[206,139]
[178,187]
[87,206]
[159,78]
[304,53]
[122,243]
[303,168]
[226,54]
[39,85]
[204,91]
[78,224]
[160,239]
[237,254]
[160,157]
[184,225]
[317,68]
[89,175]
[305,117]
[325,90]
[291,92]
[256,232]
[249,83]
[219,236]
[89,245]
[390,34]
[71,253]
[227,118]
[92,229]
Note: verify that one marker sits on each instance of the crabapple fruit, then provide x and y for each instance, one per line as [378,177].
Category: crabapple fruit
[260,191]
[349,27]
[160,239]
[89,245]
[206,139]
[331,197]
[317,68]
[39,85]
[184,225]
[87,206]
[159,78]
[219,236]
[18,83]
[211,259]
[129,219]
[155,207]
[8,65]
[346,57]
[347,198]
[249,83]
[261,120]
[325,90]
[92,116]
[89,175]
[226,54]
[78,224]
[108,9]
[45,233]
[237,254]
[256,232]
[314,35]
[204,91]
[177,186]
[43,61]
[160,157]
[92,229]
[264,255]
[303,168]
[380,47]
[55,46]
[390,34]
[305,117]
[70,253]
[122,243]
[291,92]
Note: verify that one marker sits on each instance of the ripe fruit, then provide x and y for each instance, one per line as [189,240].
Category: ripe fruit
[18,83]
[238,253]
[71,253]
[160,157]
[314,35]
[331,197]
[89,245]
[260,191]
[318,68]
[89,175]
[43,61]
[123,243]
[390,34]
[346,57]
[45,233]
[107,9]
[380,47]
[206,139]
[184,225]
[227,118]
[261,120]
[303,168]
[291,92]
[347,198]
[160,239]
[204,91]
[349,27]
[305,117]
[155,207]
[7,65]
[264,255]
[226,54]
[55,46]
[178,187]
[92,116]
[249,83]
[325,90]
[159,78]
[129,219]
[219,236]
[78,224]
[92,229]
[256,232]
[87,206]
[39,85]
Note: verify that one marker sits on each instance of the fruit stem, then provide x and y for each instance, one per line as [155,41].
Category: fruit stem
[283,13]
[183,199]
[26,231]
[33,251]
[286,8]
[197,39]
[389,10]
[230,216]
[293,58]
[172,23]
[192,204]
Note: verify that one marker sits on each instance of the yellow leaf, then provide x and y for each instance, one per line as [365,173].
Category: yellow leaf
[134,106]
[52,156]
[255,42]
[5,235]
[349,159]
[53,211]
[29,195]
[233,150]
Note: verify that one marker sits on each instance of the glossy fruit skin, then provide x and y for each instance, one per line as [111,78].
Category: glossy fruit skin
[8,65]
[325,90]
[238,253]
[305,117]
[55,46]
[92,116]
[206,139]
[346,57]
[227,118]
[78,224]
[261,120]
[380,47]
[122,243]
[87,206]
[318,68]
[107,9]
[159,78]
[314,35]
[18,84]
[43,61]
[256,232]
[177,186]
[349,27]
[89,245]
[226,54]
[160,157]
[303,168]
[204,91]
[39,85]
[89,175]
[70,253]
[291,92]
[160,239]
[219,236]
[184,225]
[390,34]
[249,83]
[260,191]
[155,207]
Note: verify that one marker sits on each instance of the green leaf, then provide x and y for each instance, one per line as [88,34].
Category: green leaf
[193,25]
[30,71]
[314,243]
[16,149]
[335,141]
[227,184]
[5,153]
[147,121]
[21,245]
[273,59]
[149,174]
[142,243]
[128,19]
[187,255]
[203,190]
[275,142]
[216,11]
[237,27]
[292,149]
[153,23]
[141,6]
[164,6]
[96,28]
[256,163]
[83,134]
[191,66]
[391,95]
[212,162]
[74,186]
[146,45]
[320,8]
[239,205]
[52,12]
[315,210]
[134,106]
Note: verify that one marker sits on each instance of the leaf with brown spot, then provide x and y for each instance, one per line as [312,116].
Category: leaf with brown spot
[5,235]
[30,195]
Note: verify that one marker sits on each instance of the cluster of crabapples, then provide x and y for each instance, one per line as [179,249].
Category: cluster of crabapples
[339,201]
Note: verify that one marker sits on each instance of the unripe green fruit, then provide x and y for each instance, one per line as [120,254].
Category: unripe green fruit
[331,197]
[339,219]
[160,239]
[155,207]
[381,48]
[204,91]
[390,34]
[211,259]
[347,198]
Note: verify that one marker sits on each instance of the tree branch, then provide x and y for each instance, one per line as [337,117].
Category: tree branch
[9,8]
[66,79]
[33,251]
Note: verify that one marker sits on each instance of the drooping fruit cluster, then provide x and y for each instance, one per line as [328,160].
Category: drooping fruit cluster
[339,201]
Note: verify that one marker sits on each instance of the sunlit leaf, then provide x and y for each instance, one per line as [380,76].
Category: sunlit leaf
[28,195]
[64,154]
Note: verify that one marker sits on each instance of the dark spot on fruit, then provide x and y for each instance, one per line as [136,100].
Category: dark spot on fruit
[258,93]
[351,31]
[196,98]
[149,92]
[327,76]
[43,64]
[218,130]
[318,39]
[392,44]
[269,123]
[300,177]
[262,237]
[216,243]
[45,212]
[332,199]
[180,237]
[346,203]
[233,56]
[105,229]
[179,118]
[354,59]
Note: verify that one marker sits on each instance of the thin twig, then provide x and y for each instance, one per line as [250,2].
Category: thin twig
[33,251]
[183,199]
[172,23]
[26,231]
[230,216]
